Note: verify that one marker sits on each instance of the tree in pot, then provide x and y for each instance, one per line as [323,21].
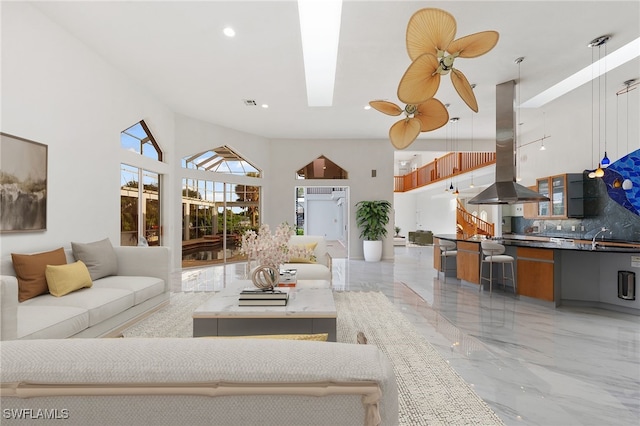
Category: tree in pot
[372,218]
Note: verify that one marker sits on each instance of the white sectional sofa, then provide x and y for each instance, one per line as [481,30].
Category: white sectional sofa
[318,269]
[140,285]
[197,382]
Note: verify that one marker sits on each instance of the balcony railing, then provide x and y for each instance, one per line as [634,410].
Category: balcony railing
[442,168]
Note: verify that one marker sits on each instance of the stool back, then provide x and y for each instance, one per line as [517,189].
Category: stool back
[446,245]
[491,248]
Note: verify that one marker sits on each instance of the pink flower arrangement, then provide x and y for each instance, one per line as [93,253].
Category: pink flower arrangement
[272,250]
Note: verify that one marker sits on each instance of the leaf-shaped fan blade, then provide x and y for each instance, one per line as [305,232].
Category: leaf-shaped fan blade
[474,45]
[420,81]
[404,132]
[428,30]
[432,115]
[386,107]
[464,89]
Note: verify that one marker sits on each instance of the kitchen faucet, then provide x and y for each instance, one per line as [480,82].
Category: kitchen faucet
[593,242]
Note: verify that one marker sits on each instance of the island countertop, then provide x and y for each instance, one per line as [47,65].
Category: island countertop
[607,246]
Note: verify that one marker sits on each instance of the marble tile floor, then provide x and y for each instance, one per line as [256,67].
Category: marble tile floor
[534,365]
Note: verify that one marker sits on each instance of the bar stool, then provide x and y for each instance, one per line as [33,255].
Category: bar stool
[447,249]
[493,253]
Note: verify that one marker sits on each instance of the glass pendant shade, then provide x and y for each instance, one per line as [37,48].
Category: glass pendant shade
[605,160]
[627,184]
[599,171]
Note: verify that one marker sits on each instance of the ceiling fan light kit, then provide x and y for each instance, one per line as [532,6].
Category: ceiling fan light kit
[433,51]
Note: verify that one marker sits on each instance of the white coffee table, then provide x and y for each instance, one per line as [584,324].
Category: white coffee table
[310,310]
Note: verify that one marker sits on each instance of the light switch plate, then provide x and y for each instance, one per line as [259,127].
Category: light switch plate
[559,227]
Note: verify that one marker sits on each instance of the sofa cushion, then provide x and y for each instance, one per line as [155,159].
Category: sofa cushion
[63,279]
[143,288]
[50,322]
[101,303]
[99,256]
[30,271]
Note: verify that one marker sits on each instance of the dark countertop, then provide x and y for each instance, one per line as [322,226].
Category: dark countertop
[552,243]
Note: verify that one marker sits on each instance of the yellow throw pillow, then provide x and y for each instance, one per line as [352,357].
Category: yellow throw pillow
[320,337]
[309,247]
[64,279]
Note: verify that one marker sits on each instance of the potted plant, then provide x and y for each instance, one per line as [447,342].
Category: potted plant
[397,229]
[372,218]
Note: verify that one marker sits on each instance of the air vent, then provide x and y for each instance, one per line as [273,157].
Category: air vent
[249,102]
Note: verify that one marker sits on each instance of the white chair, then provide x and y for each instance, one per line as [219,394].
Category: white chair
[493,253]
[447,249]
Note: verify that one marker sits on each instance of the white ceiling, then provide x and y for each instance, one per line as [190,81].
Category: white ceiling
[177,51]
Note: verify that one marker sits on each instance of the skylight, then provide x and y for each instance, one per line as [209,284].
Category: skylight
[613,60]
[320,31]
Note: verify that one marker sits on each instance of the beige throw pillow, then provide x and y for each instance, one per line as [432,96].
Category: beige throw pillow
[309,247]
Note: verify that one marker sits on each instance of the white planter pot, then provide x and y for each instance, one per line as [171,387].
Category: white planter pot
[372,250]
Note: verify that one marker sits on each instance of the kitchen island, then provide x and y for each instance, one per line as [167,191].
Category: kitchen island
[558,271]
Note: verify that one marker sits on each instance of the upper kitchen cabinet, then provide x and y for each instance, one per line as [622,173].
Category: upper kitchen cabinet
[566,194]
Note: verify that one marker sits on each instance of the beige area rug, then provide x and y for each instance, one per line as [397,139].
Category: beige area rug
[430,391]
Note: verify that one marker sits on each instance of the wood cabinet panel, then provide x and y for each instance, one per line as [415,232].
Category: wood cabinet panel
[436,254]
[468,263]
[530,210]
[535,273]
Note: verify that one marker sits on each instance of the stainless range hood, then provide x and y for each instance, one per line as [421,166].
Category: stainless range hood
[505,190]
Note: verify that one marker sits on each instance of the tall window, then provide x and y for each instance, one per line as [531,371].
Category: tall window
[214,217]
[139,190]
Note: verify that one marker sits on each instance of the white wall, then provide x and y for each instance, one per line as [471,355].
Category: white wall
[357,157]
[57,92]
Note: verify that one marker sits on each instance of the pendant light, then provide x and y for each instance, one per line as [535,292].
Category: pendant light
[471,185]
[599,42]
[605,160]
[632,84]
[518,123]
[454,146]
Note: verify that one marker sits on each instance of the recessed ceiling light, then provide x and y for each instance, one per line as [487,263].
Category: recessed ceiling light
[613,60]
[367,107]
[265,106]
[229,32]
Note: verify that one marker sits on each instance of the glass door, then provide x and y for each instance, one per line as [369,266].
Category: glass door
[543,188]
[557,196]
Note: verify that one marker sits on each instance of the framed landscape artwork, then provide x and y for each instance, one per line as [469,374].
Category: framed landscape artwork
[23,185]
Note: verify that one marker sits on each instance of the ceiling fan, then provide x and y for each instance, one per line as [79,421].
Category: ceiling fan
[433,50]
[422,117]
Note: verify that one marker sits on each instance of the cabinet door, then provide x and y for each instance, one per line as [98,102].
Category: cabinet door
[543,206]
[530,210]
[558,196]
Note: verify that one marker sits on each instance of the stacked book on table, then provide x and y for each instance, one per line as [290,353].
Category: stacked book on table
[259,297]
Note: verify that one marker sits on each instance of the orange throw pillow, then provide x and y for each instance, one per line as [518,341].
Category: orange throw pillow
[30,271]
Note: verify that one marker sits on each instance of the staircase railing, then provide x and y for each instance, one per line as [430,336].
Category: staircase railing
[468,225]
[451,164]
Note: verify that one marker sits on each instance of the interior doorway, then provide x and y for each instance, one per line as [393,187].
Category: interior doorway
[323,210]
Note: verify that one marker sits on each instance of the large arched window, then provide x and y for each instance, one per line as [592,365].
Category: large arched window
[217,210]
